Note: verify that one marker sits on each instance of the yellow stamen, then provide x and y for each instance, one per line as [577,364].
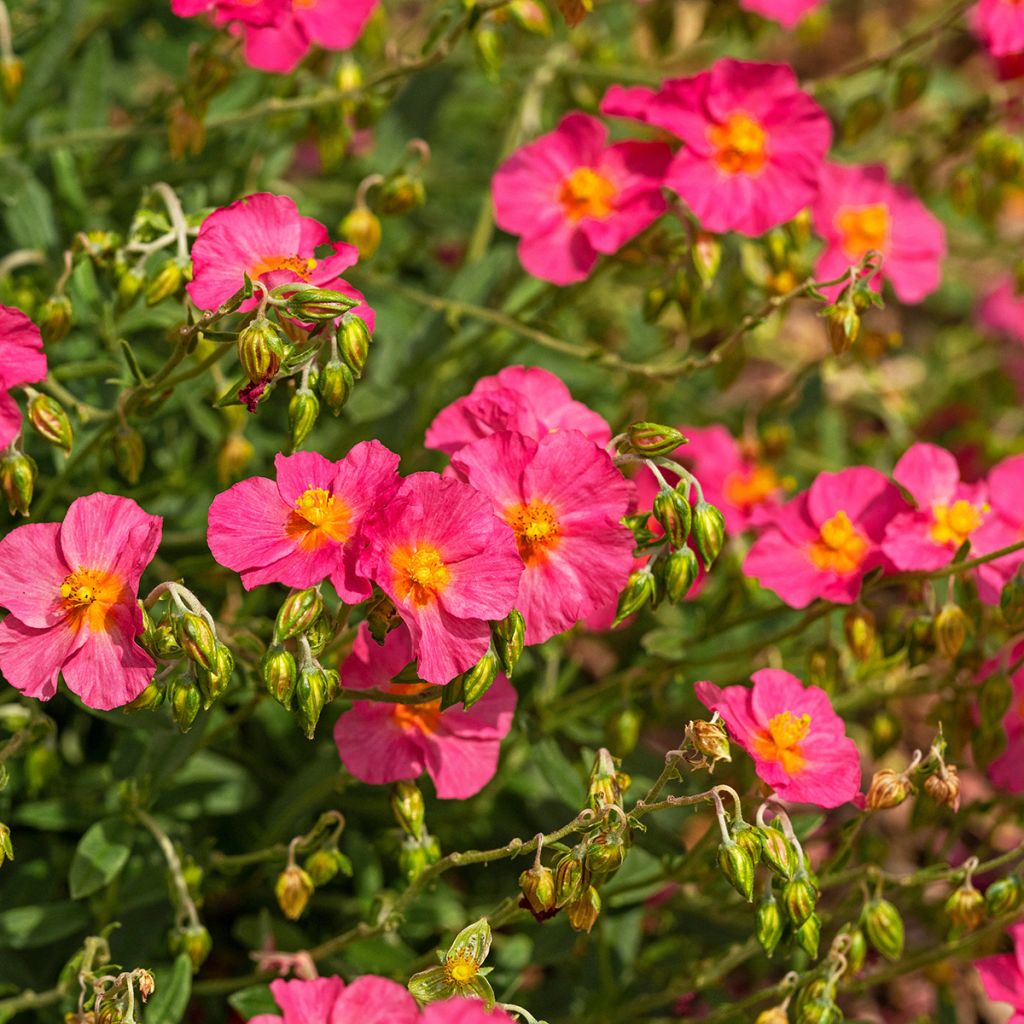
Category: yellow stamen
[460,969]
[740,144]
[319,518]
[863,228]
[586,193]
[299,266]
[840,546]
[420,574]
[748,486]
[536,528]
[781,740]
[87,596]
[955,523]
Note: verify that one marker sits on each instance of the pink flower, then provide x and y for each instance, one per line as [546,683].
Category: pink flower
[525,399]
[786,12]
[948,512]
[823,541]
[1002,527]
[381,743]
[459,1010]
[754,143]
[1005,771]
[367,1000]
[798,742]
[564,499]
[1000,26]
[304,527]
[569,196]
[21,362]
[449,564]
[1002,975]
[859,209]
[71,590]
[263,236]
[1002,310]
[248,12]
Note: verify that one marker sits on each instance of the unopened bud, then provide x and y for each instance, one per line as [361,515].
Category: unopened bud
[324,865]
[778,853]
[603,788]
[361,227]
[48,417]
[864,113]
[335,385]
[622,731]
[310,697]
[318,304]
[799,898]
[883,927]
[195,942]
[583,912]
[769,923]
[859,627]
[842,322]
[821,1010]
[605,854]
[400,194]
[149,700]
[18,480]
[911,82]
[129,453]
[6,847]
[1003,896]
[197,639]
[407,807]
[994,699]
[889,788]
[479,679]
[303,410]
[214,680]
[710,739]
[12,74]
[570,878]
[707,257]
[639,591]
[749,837]
[808,936]
[129,286]
[654,439]
[951,626]
[260,349]
[735,863]
[354,343]
[966,907]
[166,282]
[509,637]
[679,573]
[54,319]
[773,1015]
[944,787]
[708,532]
[293,889]
[855,949]
[1011,601]
[186,700]
[538,885]
[381,618]
[300,610]
[673,512]
[165,639]
[280,674]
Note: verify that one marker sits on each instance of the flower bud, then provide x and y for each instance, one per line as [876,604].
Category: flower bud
[335,385]
[1011,601]
[883,927]
[861,635]
[951,626]
[708,532]
[749,837]
[197,639]
[639,591]
[6,847]
[479,679]
[808,936]
[654,439]
[18,479]
[673,512]
[407,807]
[842,322]
[300,610]
[361,227]
[1003,896]
[149,700]
[622,731]
[605,854]
[584,910]
[994,699]
[570,878]
[12,74]
[538,885]
[821,1010]
[799,897]
[769,923]
[165,639]
[735,863]
[303,410]
[50,420]
[214,681]
[400,194]
[260,349]
[710,739]
[320,634]
[310,697]
[413,859]
[707,257]
[318,304]
[773,1015]
[166,282]
[966,907]
[864,113]
[354,343]
[280,674]
[186,701]
[129,453]
[293,889]
[778,853]
[889,788]
[944,787]
[195,942]
[679,573]
[324,865]
[508,637]
[856,949]
[911,82]
[129,286]
[603,786]
[55,318]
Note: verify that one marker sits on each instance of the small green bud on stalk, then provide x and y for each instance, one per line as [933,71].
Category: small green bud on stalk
[570,878]
[1003,896]
[12,74]
[639,591]
[1011,601]
[479,679]
[165,639]
[335,385]
[707,257]
[584,911]
[911,82]
[310,697]
[197,639]
[149,700]
[856,949]
[603,788]
[622,731]
[400,194]
[509,638]
[966,907]
[951,628]
[6,847]
[166,282]
[280,674]
[842,322]
[822,1010]
[749,837]
[407,807]
[735,863]
[770,924]
[55,319]
[799,898]
[889,788]
[864,113]
[18,480]
[129,453]
[361,227]
[944,787]
[260,349]
[861,634]
[214,681]
[381,618]
[674,514]
[354,343]
[324,865]
[538,885]
[679,572]
[300,610]
[778,853]
[320,634]
[195,942]
[995,698]
[654,439]
[708,532]
[293,889]
[186,701]
[318,304]
[605,855]
[50,420]
[808,936]
[303,410]
[883,927]
[129,286]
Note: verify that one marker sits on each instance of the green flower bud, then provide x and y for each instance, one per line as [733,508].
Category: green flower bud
[822,1010]
[400,194]
[883,927]
[195,942]
[770,925]
[864,113]
[129,453]
[1011,601]
[324,865]
[966,907]
[186,701]
[622,731]
[54,319]
[749,837]
[320,634]
[639,591]
[300,610]
[129,286]
[842,322]
[166,282]
[165,639]
[18,480]
[708,532]
[6,847]
[260,349]
[1003,896]
[808,936]
[855,950]
[654,439]
[310,697]
[149,700]
[603,786]
[570,878]
[293,889]
[50,420]
[280,674]
[214,681]
[861,635]
[381,618]
[354,343]
[335,385]
[679,573]
[318,304]
[413,859]
[735,863]
[605,854]
[778,853]
[538,885]
[994,699]
[303,410]
[773,1015]
[361,228]
[197,639]
[799,898]
[673,512]
[951,628]
[479,679]
[584,911]
[509,637]
[407,807]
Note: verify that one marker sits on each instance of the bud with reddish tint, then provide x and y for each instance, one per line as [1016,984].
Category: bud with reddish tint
[48,417]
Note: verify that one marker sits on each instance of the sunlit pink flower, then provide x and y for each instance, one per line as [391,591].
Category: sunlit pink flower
[754,142]
[1002,309]
[263,236]
[525,399]
[823,541]
[71,589]
[246,12]
[1002,975]
[858,210]
[798,742]
[448,563]
[564,499]
[458,1010]
[1000,26]
[1003,527]
[569,196]
[21,362]
[366,1000]
[948,511]
[380,742]
[786,12]
[303,527]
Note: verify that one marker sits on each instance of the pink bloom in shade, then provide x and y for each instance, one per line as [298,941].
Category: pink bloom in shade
[367,1000]
[263,236]
[1002,310]
[1002,975]
[948,512]
[1000,26]
[381,743]
[823,541]
[859,209]
[21,362]
[569,196]
[303,527]
[525,399]
[564,499]
[754,142]
[71,589]
[786,12]
[248,12]
[448,563]
[798,742]
[458,1010]
[332,24]
[1002,527]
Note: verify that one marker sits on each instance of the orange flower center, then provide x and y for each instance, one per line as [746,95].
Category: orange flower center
[586,193]
[781,740]
[302,268]
[740,144]
[955,523]
[319,518]
[748,486]
[88,595]
[863,228]
[420,574]
[840,546]
[536,528]
[417,717]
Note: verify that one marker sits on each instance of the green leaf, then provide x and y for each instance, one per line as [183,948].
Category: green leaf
[28,211]
[88,97]
[101,853]
[209,785]
[170,998]
[251,1001]
[32,926]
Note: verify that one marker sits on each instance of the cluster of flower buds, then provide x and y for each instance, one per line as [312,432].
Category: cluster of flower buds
[508,637]
[198,665]
[889,787]
[295,885]
[291,672]
[17,480]
[419,848]
[461,971]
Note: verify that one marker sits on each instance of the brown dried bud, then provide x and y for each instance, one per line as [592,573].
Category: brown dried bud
[711,740]
[889,788]
[944,787]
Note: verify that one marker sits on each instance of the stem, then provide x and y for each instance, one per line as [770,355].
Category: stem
[185,904]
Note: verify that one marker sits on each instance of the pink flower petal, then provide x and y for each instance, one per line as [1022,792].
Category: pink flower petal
[31,573]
